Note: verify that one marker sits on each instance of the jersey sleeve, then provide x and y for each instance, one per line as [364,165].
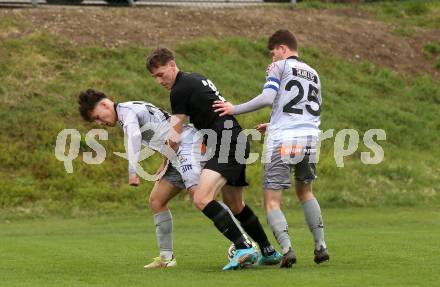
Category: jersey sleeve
[133,138]
[179,101]
[265,99]
[273,79]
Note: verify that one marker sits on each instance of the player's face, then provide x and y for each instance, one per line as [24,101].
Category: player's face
[104,114]
[277,53]
[165,75]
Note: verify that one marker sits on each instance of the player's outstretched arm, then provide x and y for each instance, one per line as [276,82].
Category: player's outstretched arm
[265,99]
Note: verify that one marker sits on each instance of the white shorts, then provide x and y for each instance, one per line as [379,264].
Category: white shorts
[185,171]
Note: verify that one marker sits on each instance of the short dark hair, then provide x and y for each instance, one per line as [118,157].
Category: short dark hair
[159,57]
[87,101]
[282,37]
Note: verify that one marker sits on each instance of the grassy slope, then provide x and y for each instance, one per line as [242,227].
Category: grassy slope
[41,75]
[369,247]
[408,13]
[405,15]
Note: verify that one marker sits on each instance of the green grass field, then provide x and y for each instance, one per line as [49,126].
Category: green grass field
[369,247]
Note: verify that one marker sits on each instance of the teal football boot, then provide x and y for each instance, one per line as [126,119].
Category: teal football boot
[243,258]
[273,259]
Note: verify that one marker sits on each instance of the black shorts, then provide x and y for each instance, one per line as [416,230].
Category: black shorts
[224,160]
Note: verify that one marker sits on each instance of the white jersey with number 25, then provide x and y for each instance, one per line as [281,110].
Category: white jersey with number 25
[297,105]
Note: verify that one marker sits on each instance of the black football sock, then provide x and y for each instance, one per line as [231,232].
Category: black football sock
[225,224]
[250,223]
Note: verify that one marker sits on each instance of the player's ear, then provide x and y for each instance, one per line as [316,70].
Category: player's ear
[172,64]
[105,104]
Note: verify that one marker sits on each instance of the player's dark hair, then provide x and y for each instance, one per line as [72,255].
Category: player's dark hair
[283,37]
[87,101]
[159,57]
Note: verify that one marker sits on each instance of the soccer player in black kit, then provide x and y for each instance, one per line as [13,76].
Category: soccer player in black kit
[193,95]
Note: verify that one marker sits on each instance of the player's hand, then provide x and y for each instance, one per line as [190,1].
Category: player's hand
[161,170]
[173,145]
[224,108]
[262,127]
[133,180]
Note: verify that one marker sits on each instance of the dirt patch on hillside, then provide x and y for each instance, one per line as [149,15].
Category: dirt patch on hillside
[349,34]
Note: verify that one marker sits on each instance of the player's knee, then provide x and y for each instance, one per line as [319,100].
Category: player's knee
[270,205]
[304,195]
[200,201]
[152,203]
[303,190]
[235,207]
[155,204]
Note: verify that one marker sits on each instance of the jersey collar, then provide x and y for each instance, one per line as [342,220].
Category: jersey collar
[117,116]
[293,58]
[115,105]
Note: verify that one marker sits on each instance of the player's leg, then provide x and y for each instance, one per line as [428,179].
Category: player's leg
[278,224]
[204,198]
[276,179]
[163,191]
[213,177]
[233,198]
[203,185]
[304,175]
[276,219]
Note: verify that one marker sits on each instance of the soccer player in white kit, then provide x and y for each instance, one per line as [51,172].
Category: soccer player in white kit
[293,89]
[148,125]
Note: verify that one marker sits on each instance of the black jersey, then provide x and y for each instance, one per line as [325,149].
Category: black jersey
[194,95]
